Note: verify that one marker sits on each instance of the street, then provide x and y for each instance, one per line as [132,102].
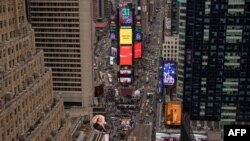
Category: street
[130,118]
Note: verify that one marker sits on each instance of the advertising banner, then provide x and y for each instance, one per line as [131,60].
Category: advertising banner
[138,50]
[169,72]
[173,113]
[125,71]
[113,51]
[138,36]
[125,79]
[176,137]
[125,15]
[125,36]
[125,55]
[111,60]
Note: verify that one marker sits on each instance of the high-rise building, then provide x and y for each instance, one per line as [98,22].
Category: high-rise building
[213,68]
[65,31]
[29,110]
[101,9]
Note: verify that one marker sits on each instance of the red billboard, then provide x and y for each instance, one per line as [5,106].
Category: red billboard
[125,55]
[138,50]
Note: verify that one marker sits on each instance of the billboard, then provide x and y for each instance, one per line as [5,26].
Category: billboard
[173,113]
[125,15]
[138,50]
[138,36]
[125,79]
[125,55]
[125,36]
[113,36]
[169,72]
[176,137]
[167,31]
[113,51]
[111,60]
[125,71]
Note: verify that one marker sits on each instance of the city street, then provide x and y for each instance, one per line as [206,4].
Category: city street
[143,121]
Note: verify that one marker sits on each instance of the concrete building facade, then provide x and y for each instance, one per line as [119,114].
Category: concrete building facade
[65,31]
[29,110]
[170,48]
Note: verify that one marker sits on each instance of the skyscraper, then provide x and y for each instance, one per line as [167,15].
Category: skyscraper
[28,108]
[65,31]
[213,69]
[101,9]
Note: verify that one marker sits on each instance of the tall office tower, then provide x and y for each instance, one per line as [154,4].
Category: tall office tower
[65,31]
[100,9]
[28,109]
[175,16]
[214,60]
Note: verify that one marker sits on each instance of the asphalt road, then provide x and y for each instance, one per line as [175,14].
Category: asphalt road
[148,67]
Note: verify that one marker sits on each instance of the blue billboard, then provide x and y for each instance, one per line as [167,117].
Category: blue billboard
[169,72]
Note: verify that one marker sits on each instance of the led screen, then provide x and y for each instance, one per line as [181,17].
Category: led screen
[113,51]
[111,60]
[138,50]
[126,55]
[112,36]
[125,80]
[125,71]
[125,15]
[176,137]
[138,36]
[168,72]
[173,113]
[125,36]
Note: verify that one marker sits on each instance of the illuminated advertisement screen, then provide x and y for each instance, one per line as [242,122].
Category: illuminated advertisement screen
[111,60]
[176,137]
[125,15]
[138,36]
[113,51]
[113,36]
[125,71]
[126,55]
[125,36]
[168,72]
[138,50]
[125,79]
[173,113]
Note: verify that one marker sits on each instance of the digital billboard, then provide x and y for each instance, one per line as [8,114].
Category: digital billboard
[113,51]
[125,55]
[173,113]
[111,60]
[169,72]
[138,50]
[138,36]
[125,36]
[125,71]
[176,137]
[167,30]
[125,15]
[113,36]
[125,79]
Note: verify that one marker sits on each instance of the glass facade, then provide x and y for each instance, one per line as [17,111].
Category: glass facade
[214,62]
